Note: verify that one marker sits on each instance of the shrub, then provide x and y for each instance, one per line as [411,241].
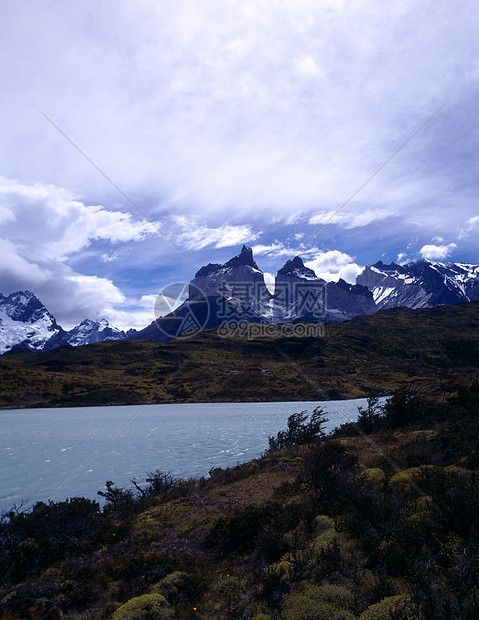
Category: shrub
[172,586]
[370,416]
[145,607]
[300,431]
[374,477]
[398,607]
[313,602]
[329,470]
[403,407]
[119,498]
[238,532]
[257,527]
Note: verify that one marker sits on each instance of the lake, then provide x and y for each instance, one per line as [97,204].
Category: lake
[66,452]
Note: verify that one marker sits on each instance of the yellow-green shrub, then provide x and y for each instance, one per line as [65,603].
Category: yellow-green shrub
[374,476]
[311,602]
[145,607]
[170,586]
[323,522]
[398,607]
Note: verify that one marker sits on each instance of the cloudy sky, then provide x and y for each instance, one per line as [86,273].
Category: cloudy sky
[206,125]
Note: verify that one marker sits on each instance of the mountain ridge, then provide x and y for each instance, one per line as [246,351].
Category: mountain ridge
[236,292]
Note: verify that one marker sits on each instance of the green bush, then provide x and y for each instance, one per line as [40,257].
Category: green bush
[326,602]
[172,587]
[301,430]
[145,607]
[329,470]
[398,607]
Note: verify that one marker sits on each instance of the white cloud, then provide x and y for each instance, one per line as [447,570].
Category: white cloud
[275,249]
[308,66]
[437,252]
[198,236]
[470,225]
[55,226]
[271,114]
[333,265]
[133,318]
[472,222]
[217,105]
[94,287]
[402,258]
[350,219]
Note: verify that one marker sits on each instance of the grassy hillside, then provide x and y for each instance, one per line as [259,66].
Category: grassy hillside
[322,531]
[367,355]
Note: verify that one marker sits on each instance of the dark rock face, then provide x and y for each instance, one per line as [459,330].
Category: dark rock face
[239,281]
[298,293]
[236,292]
[346,300]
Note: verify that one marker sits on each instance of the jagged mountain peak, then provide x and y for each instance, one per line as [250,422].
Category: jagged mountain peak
[383,267]
[243,259]
[208,270]
[421,284]
[296,267]
[26,323]
[88,332]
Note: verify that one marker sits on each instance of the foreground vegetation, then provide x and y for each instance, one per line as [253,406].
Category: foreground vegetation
[320,527]
[369,355]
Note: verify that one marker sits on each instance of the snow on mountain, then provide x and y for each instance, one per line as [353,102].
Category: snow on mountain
[298,293]
[25,323]
[89,332]
[421,284]
[236,291]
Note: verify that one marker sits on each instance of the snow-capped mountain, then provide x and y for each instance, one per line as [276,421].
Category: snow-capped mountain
[300,295]
[293,282]
[236,292]
[421,284]
[25,323]
[89,332]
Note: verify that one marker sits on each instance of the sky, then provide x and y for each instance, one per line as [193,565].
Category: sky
[141,140]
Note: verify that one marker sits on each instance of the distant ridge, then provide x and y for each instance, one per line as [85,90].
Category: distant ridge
[236,291]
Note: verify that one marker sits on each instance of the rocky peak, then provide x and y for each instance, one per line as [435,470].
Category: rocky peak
[243,259]
[26,323]
[88,332]
[297,268]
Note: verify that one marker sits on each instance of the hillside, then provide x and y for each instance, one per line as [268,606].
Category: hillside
[329,530]
[367,355]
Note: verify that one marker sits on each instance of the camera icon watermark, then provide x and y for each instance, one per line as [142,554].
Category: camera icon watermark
[181,310]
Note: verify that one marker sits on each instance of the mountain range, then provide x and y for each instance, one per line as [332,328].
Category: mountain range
[236,292]
[25,323]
